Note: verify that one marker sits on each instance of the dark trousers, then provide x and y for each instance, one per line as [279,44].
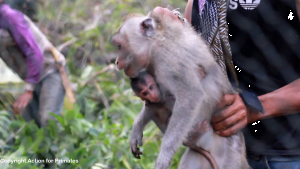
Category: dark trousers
[274,162]
[48,96]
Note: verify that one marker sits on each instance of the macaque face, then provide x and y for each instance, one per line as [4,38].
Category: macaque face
[150,90]
[134,39]
[132,44]
[123,59]
[129,61]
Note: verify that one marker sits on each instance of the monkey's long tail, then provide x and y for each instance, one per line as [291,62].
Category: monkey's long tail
[208,156]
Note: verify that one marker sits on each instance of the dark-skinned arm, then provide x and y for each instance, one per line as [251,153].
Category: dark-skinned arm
[298,7]
[283,101]
[188,11]
[236,115]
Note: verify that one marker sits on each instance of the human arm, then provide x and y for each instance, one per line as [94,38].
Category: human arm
[236,116]
[14,22]
[283,101]
[298,8]
[188,11]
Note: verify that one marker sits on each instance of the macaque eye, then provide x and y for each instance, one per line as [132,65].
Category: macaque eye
[145,93]
[119,47]
[151,87]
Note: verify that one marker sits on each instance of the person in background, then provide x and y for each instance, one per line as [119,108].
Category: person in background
[44,91]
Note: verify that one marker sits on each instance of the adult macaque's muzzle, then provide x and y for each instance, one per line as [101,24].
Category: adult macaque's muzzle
[120,64]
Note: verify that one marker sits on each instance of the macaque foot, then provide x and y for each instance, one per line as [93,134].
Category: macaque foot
[201,72]
[197,130]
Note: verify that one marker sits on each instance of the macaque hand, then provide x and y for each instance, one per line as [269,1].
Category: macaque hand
[135,140]
[22,102]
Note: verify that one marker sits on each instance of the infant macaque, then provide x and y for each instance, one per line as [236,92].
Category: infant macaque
[158,107]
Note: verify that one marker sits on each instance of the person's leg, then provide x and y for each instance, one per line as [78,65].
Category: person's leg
[31,111]
[51,97]
[274,162]
[257,162]
[290,162]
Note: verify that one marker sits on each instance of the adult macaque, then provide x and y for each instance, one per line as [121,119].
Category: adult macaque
[173,52]
[156,109]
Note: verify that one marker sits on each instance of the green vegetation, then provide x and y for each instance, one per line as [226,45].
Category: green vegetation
[96,131]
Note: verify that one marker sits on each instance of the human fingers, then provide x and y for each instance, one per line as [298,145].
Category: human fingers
[16,107]
[236,104]
[23,103]
[231,120]
[226,100]
[233,129]
[165,11]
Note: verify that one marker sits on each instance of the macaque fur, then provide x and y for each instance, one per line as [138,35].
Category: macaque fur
[172,52]
[156,109]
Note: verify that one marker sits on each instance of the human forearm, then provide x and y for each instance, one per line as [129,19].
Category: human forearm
[298,8]
[188,11]
[22,101]
[283,101]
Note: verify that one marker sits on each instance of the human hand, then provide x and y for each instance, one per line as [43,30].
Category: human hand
[232,115]
[167,12]
[21,103]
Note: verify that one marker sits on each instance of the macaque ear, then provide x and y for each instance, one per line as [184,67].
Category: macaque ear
[147,27]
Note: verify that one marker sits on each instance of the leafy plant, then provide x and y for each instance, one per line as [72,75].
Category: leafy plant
[88,135]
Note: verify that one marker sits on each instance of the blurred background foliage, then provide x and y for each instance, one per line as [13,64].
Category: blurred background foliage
[96,130]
